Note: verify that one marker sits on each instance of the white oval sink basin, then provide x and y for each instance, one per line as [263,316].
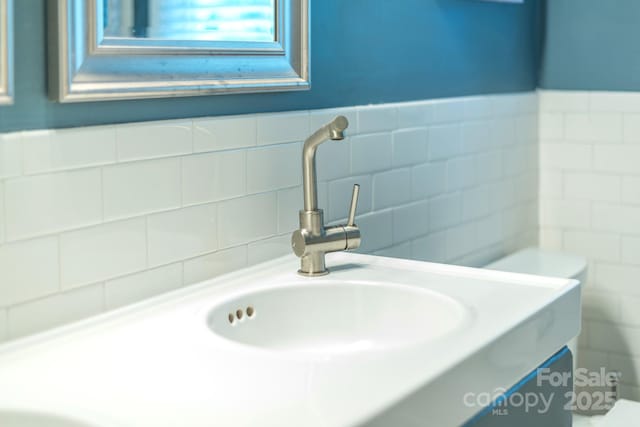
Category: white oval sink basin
[335,317]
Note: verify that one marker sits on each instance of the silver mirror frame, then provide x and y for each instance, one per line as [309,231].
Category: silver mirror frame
[86,66]
[6,52]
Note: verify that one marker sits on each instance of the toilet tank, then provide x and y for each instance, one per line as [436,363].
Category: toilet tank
[543,262]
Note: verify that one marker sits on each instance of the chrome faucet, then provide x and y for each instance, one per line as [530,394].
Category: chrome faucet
[313,240]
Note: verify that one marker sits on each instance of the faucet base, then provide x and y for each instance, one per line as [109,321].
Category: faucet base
[313,265]
[313,273]
[312,241]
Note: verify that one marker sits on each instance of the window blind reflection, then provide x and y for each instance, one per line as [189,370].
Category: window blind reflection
[212,20]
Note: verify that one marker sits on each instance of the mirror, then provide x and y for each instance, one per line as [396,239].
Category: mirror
[6,52]
[126,49]
[217,20]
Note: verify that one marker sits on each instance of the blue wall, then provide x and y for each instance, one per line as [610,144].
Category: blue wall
[592,45]
[363,51]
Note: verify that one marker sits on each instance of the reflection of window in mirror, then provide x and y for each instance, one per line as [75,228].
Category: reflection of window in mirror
[210,20]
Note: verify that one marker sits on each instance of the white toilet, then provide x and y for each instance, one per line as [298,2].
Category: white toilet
[559,264]
[542,262]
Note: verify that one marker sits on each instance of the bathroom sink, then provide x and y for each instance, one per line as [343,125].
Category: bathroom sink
[376,342]
[336,317]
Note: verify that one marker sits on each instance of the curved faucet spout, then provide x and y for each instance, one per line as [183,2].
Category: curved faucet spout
[333,130]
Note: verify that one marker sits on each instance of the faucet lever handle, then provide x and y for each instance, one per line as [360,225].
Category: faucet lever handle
[354,205]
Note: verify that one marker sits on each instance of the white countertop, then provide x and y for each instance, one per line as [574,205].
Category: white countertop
[158,364]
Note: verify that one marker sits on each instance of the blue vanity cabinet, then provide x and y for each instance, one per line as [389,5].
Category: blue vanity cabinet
[534,401]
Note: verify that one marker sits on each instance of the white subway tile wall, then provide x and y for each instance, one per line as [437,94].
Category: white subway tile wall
[154,139]
[129,289]
[95,218]
[46,151]
[590,205]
